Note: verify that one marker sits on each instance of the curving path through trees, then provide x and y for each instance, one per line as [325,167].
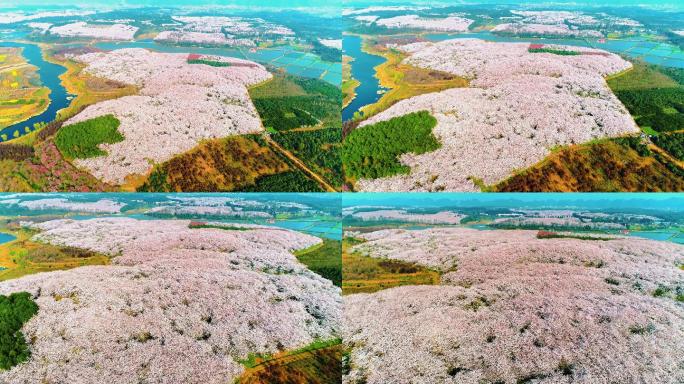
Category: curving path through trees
[295,160]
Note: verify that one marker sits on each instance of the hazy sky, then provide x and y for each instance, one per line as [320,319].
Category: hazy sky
[672,4]
[661,201]
[678,4]
[115,3]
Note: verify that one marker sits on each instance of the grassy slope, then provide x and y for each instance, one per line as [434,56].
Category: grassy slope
[654,96]
[324,259]
[641,76]
[24,257]
[318,363]
[363,274]
[216,165]
[279,85]
[289,102]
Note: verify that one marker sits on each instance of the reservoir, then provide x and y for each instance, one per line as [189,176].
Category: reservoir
[49,75]
[362,70]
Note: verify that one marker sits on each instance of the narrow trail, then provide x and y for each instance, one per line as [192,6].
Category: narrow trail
[666,155]
[327,187]
[308,129]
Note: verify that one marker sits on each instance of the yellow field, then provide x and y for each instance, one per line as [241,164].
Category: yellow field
[24,257]
[363,274]
[404,80]
[214,165]
[20,97]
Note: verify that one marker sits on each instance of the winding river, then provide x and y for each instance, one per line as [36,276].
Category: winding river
[362,70]
[49,75]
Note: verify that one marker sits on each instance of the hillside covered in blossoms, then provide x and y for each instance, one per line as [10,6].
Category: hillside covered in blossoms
[536,288]
[512,97]
[173,98]
[123,290]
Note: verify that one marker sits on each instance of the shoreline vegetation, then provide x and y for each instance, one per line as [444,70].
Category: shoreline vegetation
[349,83]
[401,81]
[23,256]
[19,80]
[85,88]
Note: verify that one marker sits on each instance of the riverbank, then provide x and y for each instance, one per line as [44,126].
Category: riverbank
[369,90]
[49,74]
[349,83]
[404,81]
[23,97]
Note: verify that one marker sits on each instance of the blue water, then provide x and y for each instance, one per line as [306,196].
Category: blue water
[6,238]
[655,235]
[362,70]
[49,75]
[480,227]
[328,229]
